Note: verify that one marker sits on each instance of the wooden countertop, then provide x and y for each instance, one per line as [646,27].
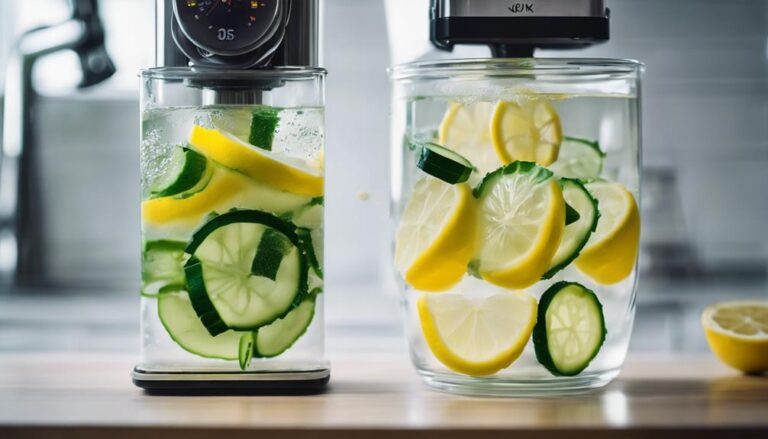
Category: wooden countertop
[58,396]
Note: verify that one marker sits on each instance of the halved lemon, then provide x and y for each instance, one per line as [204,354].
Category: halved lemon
[284,173]
[529,130]
[477,336]
[465,129]
[522,217]
[436,235]
[611,251]
[737,333]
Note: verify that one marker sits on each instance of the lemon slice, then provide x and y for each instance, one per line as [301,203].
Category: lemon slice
[281,172]
[477,336]
[611,251]
[465,129]
[225,190]
[223,186]
[522,217]
[529,131]
[436,235]
[737,333]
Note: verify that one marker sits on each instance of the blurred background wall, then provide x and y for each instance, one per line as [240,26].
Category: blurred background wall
[705,141]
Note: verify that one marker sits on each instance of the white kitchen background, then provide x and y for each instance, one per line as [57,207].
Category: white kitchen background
[705,153]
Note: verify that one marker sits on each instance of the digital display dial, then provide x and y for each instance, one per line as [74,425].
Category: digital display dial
[226,27]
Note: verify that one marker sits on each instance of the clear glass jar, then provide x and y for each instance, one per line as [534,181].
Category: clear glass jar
[516,249]
[232,181]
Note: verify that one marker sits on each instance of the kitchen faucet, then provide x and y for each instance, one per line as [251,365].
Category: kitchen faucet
[21,261]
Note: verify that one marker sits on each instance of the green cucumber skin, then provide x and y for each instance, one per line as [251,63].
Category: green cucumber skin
[269,254]
[202,305]
[444,164]
[263,125]
[539,336]
[571,215]
[554,270]
[194,270]
[245,351]
[541,174]
[194,164]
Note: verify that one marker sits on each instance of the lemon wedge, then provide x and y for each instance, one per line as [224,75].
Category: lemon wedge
[529,130]
[522,218]
[436,235]
[611,251]
[465,129]
[737,333]
[284,173]
[477,336]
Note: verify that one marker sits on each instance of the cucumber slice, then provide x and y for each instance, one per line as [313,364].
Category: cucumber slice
[570,328]
[222,286]
[263,126]
[245,351]
[579,158]
[444,164]
[186,170]
[162,267]
[180,320]
[577,233]
[277,337]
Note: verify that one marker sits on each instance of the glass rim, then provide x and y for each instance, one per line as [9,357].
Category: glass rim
[282,72]
[542,68]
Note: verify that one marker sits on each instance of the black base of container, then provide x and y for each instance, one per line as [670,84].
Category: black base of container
[305,382]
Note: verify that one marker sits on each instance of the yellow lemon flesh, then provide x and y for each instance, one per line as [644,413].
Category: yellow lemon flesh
[226,190]
[737,333]
[477,336]
[465,129]
[284,173]
[529,130]
[522,218]
[436,235]
[611,251]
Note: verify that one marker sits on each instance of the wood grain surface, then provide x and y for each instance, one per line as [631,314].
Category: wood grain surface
[59,396]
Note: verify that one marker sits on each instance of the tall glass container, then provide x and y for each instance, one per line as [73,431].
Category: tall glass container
[232,178]
[516,225]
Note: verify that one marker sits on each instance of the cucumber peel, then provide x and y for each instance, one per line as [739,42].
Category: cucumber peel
[263,126]
[245,350]
[538,173]
[571,214]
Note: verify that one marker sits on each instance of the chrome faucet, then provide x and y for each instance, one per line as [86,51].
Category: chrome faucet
[21,262]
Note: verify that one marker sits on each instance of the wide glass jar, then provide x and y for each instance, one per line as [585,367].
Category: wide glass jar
[232,182]
[516,222]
